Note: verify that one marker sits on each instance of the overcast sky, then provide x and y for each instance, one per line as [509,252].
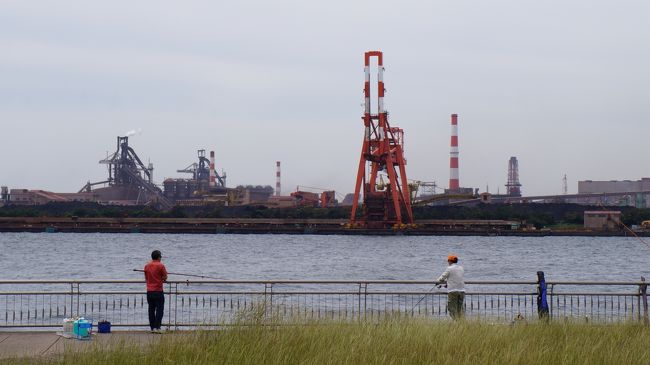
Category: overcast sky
[562,85]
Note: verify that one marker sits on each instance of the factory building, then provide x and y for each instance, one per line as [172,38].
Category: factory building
[613,186]
[4,195]
[602,219]
[38,197]
[252,194]
[616,192]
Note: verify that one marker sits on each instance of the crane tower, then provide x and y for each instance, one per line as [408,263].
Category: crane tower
[384,204]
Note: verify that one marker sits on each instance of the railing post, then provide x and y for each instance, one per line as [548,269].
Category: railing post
[176,306]
[268,290]
[643,292]
[359,301]
[365,299]
[542,303]
[78,299]
[74,291]
[271,301]
[71,300]
[169,305]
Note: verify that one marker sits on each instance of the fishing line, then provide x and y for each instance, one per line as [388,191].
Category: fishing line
[192,275]
[204,277]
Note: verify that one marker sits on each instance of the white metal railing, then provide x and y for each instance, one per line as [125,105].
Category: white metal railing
[38,303]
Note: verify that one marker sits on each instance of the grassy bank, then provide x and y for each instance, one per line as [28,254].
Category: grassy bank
[391,342]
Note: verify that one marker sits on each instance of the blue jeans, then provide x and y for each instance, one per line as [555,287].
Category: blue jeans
[156,301]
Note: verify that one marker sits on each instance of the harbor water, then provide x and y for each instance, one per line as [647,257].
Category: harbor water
[49,256]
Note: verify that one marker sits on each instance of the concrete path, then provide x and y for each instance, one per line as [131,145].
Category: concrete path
[41,343]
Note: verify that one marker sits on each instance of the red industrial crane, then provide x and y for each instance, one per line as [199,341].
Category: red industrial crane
[384,204]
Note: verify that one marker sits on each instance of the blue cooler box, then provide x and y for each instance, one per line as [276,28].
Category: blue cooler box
[82,329]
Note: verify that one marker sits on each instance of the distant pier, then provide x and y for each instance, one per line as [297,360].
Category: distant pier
[279,226]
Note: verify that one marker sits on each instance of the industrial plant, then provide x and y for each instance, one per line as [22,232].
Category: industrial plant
[383,196]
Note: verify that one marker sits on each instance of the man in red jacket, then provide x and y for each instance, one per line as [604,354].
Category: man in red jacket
[155,275]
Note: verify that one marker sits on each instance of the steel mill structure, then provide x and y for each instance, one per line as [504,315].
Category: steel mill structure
[205,185]
[513,187]
[204,170]
[384,204]
[128,179]
[454,180]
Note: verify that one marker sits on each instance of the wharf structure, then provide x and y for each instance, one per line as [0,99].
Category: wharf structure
[251,225]
[424,227]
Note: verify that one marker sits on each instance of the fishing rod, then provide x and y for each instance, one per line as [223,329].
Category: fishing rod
[192,275]
[424,296]
[635,235]
[628,229]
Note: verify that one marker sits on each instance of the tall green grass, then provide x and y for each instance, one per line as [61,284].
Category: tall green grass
[397,341]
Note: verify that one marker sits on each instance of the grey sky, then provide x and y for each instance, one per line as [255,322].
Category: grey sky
[562,85]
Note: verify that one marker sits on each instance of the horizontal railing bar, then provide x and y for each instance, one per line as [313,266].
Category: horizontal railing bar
[59,325]
[38,293]
[595,283]
[164,325]
[147,325]
[355,293]
[356,282]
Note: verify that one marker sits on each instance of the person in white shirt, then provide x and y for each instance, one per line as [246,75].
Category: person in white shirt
[454,278]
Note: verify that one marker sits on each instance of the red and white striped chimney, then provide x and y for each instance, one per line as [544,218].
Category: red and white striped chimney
[454,183]
[277,179]
[213,176]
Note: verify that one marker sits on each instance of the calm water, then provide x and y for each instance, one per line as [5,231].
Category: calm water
[113,256]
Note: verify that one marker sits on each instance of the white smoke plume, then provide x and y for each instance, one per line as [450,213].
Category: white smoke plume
[133,132]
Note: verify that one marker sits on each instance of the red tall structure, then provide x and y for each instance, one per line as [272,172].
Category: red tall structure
[454,181]
[384,204]
[278,191]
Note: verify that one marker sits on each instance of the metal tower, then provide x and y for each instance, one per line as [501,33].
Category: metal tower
[383,151]
[513,187]
[565,186]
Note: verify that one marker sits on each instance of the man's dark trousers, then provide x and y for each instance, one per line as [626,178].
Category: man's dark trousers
[156,301]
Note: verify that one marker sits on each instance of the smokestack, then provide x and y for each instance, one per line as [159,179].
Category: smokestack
[454,183]
[277,179]
[213,177]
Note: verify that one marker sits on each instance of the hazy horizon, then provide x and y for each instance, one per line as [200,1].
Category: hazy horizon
[560,85]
